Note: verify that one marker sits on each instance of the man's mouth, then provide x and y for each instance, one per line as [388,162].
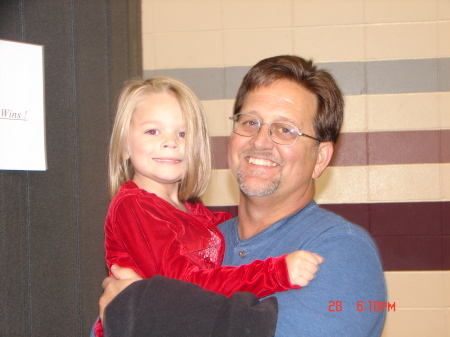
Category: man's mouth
[261,162]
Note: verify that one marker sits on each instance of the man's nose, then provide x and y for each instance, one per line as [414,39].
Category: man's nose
[262,140]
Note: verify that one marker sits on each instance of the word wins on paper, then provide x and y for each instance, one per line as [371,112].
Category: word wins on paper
[13,115]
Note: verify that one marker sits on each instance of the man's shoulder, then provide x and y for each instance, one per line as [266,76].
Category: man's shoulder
[317,229]
[312,220]
[326,222]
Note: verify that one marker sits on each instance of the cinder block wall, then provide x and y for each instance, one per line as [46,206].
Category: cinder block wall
[391,171]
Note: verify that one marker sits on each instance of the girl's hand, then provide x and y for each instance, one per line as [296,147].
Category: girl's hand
[302,266]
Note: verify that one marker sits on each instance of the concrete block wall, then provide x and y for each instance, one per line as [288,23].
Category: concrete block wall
[391,171]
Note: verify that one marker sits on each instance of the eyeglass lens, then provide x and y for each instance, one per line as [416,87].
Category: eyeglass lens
[280,133]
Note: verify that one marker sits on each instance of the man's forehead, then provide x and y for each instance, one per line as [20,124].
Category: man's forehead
[281,95]
[272,95]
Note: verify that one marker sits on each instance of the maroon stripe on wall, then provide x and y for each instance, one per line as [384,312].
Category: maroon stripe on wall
[411,253]
[406,147]
[350,150]
[219,147]
[373,148]
[445,146]
[233,210]
[446,252]
[410,236]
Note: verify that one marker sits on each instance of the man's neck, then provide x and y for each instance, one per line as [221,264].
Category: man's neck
[259,213]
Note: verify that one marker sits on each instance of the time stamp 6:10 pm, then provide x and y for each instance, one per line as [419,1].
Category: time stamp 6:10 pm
[363,306]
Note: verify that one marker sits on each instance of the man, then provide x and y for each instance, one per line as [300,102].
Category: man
[286,119]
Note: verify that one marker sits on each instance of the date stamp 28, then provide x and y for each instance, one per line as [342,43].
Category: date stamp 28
[363,306]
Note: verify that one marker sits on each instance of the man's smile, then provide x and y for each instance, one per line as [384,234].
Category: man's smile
[261,162]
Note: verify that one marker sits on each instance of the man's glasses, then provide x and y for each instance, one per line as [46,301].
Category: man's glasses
[280,133]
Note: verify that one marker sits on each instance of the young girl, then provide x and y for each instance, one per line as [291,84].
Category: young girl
[159,167]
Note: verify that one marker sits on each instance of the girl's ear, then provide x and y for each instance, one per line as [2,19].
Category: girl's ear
[324,154]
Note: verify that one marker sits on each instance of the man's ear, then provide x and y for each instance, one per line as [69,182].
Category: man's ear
[324,154]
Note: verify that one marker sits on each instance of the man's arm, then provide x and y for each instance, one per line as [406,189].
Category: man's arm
[112,286]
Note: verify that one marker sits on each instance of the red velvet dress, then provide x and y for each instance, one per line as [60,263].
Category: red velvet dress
[147,234]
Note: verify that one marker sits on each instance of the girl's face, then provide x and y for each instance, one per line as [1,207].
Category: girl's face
[156,143]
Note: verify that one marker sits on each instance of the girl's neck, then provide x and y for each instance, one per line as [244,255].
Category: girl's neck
[167,192]
[175,203]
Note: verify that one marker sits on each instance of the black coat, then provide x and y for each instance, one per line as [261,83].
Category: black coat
[166,307]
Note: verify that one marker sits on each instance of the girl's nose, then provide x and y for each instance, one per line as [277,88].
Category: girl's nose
[170,142]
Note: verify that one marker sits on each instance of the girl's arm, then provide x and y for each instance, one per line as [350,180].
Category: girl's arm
[140,238]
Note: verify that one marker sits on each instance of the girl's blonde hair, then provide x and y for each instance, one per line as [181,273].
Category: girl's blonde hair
[198,149]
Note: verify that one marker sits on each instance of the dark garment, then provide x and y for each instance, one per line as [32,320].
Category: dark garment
[146,308]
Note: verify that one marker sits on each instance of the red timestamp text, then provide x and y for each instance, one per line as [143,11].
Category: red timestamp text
[363,306]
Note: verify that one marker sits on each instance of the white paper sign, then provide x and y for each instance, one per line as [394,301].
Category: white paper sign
[22,123]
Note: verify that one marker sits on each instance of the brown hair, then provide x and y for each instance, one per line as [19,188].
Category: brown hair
[198,150]
[330,103]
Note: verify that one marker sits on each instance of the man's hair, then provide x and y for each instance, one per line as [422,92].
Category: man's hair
[330,103]
[197,151]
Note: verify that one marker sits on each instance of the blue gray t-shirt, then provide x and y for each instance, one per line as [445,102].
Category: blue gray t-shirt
[345,298]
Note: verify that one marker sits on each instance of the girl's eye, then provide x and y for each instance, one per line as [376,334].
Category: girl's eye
[182,134]
[152,132]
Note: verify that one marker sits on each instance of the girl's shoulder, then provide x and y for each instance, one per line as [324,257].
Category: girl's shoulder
[129,194]
[127,190]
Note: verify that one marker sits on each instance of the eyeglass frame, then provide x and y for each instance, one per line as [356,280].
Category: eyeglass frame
[260,123]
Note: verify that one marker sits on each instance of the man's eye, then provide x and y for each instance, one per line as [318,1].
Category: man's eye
[182,134]
[152,132]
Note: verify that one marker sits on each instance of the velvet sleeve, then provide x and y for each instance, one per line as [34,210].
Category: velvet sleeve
[141,237]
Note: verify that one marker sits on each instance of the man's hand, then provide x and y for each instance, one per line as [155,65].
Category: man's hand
[112,286]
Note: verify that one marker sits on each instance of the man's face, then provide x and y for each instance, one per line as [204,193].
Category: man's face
[263,167]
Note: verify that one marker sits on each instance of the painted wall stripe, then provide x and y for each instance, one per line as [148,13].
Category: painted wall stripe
[356,184]
[410,236]
[374,148]
[402,76]
[354,78]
